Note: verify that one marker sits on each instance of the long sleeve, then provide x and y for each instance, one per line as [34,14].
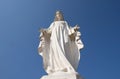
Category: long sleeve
[49,30]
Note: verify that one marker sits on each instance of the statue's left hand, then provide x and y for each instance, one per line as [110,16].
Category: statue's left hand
[76,28]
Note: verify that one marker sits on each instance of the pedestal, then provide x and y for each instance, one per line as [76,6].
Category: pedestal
[62,75]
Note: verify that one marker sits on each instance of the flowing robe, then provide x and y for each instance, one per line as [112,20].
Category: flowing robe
[60,48]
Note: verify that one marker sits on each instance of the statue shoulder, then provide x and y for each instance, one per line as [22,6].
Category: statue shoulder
[66,22]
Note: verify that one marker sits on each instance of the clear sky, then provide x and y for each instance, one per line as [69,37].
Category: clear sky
[20,21]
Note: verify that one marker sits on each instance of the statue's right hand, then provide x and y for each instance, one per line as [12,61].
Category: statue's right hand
[43,30]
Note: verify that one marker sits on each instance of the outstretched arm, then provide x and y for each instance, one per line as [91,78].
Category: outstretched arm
[76,28]
[44,37]
[73,31]
[75,36]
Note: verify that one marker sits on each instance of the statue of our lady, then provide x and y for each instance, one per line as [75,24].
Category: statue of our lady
[60,46]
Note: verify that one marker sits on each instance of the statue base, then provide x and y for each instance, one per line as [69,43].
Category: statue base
[62,75]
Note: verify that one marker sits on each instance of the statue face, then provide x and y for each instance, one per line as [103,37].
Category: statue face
[58,16]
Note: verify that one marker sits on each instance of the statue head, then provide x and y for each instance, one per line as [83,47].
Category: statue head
[59,16]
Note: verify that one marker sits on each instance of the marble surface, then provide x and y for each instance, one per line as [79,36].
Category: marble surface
[62,75]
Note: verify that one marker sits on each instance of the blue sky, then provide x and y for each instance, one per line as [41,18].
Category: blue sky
[20,21]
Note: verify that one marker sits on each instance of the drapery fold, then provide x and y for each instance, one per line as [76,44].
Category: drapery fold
[60,48]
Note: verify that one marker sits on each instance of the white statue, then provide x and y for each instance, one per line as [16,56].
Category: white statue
[60,46]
